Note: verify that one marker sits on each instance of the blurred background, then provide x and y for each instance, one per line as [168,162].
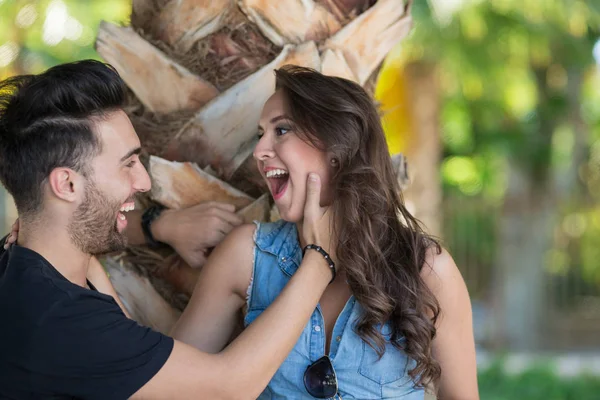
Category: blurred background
[496,105]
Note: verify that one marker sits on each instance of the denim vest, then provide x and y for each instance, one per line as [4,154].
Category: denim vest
[360,375]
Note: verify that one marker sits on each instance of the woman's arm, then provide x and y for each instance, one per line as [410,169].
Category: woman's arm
[97,275]
[211,315]
[454,345]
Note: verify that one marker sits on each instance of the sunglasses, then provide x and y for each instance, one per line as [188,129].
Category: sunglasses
[320,380]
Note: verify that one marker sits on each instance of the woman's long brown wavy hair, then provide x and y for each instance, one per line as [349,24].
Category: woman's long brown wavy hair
[381,246]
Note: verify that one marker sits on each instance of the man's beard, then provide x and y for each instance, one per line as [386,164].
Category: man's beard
[93,226]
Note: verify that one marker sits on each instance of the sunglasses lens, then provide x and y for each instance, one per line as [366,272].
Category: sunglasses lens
[320,380]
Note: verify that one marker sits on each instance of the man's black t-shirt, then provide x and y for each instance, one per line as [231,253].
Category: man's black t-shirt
[59,340]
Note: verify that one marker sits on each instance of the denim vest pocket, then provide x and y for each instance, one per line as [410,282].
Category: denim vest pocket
[384,378]
[392,367]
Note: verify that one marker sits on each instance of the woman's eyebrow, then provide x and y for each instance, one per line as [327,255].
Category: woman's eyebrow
[273,120]
[279,117]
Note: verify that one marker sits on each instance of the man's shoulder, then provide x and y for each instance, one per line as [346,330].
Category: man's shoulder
[64,338]
[32,291]
[25,276]
[27,296]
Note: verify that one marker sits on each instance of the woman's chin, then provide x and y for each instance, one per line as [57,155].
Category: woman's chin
[289,215]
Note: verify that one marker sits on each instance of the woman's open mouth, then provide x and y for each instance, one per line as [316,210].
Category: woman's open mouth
[278,181]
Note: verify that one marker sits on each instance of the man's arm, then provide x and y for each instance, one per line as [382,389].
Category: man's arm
[245,367]
[190,231]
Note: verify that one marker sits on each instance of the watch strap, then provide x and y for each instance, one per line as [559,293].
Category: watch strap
[148,217]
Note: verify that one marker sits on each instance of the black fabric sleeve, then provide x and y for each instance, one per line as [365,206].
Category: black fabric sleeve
[2,241]
[87,348]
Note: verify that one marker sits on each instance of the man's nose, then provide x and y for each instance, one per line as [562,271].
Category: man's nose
[141,179]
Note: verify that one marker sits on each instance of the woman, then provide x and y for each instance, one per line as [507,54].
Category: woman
[397,316]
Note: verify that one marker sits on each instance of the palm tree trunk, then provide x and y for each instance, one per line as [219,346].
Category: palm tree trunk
[188,63]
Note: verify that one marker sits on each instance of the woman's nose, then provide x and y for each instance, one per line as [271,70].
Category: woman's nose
[263,150]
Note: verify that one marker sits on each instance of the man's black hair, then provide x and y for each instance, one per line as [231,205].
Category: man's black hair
[47,121]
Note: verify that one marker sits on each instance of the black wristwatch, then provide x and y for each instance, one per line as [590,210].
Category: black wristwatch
[148,217]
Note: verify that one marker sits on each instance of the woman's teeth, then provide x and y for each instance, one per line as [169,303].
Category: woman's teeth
[122,217]
[276,173]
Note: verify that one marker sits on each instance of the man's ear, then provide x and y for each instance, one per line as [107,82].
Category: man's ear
[65,184]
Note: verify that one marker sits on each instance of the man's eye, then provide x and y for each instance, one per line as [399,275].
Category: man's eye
[260,134]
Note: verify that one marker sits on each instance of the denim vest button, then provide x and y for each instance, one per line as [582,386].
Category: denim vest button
[283,259]
[338,339]
[317,328]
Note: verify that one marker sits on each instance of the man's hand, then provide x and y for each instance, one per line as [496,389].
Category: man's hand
[193,231]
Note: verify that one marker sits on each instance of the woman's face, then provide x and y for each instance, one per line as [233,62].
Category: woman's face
[285,160]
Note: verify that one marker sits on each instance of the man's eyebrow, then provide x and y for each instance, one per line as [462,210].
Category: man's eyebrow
[130,153]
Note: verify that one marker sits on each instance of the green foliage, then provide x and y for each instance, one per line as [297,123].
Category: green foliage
[505,66]
[36,35]
[537,383]
[519,84]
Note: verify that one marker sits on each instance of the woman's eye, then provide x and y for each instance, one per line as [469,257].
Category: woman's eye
[260,134]
[131,163]
[280,131]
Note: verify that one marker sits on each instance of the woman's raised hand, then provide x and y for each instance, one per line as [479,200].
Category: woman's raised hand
[14,234]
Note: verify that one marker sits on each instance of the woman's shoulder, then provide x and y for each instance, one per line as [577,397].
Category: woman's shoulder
[239,237]
[442,276]
[238,245]
[236,248]
[438,266]
[268,232]
[242,238]
[231,261]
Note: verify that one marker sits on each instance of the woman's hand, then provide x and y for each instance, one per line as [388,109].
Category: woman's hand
[14,234]
[317,226]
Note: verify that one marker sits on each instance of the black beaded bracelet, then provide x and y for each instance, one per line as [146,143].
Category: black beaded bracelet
[327,258]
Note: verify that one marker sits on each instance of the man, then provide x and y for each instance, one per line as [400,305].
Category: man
[69,157]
